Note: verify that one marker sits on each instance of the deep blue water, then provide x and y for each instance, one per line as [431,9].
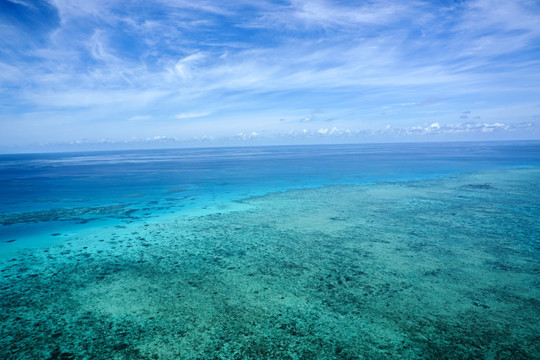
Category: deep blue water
[150,182]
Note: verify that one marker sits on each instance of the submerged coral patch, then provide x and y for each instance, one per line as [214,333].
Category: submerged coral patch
[479,186]
[61,214]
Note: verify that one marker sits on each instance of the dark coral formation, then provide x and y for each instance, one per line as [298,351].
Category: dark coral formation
[62,214]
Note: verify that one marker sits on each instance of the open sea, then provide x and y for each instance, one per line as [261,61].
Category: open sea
[371,251]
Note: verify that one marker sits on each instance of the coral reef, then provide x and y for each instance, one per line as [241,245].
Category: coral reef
[434,269]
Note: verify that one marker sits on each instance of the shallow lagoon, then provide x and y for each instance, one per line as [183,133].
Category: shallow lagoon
[437,267]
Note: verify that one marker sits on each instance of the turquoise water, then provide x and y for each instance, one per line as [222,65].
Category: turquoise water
[322,252]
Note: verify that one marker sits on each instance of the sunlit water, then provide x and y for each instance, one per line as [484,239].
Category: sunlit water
[329,252]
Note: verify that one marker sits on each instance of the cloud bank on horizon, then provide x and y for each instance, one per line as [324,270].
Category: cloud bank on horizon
[273,71]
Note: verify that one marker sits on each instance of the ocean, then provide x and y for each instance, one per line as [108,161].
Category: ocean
[366,251]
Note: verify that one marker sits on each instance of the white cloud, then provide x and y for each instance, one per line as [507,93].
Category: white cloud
[186,66]
[501,15]
[23,3]
[494,27]
[71,9]
[84,99]
[247,136]
[140,118]
[200,5]
[458,128]
[191,115]
[301,14]
[321,133]
[9,73]
[97,48]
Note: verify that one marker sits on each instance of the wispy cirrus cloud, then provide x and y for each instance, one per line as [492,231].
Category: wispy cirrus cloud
[191,115]
[324,14]
[242,63]
[28,4]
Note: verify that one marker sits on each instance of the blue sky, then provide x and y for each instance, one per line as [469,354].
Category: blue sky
[134,73]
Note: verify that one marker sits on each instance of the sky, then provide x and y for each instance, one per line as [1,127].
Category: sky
[140,73]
